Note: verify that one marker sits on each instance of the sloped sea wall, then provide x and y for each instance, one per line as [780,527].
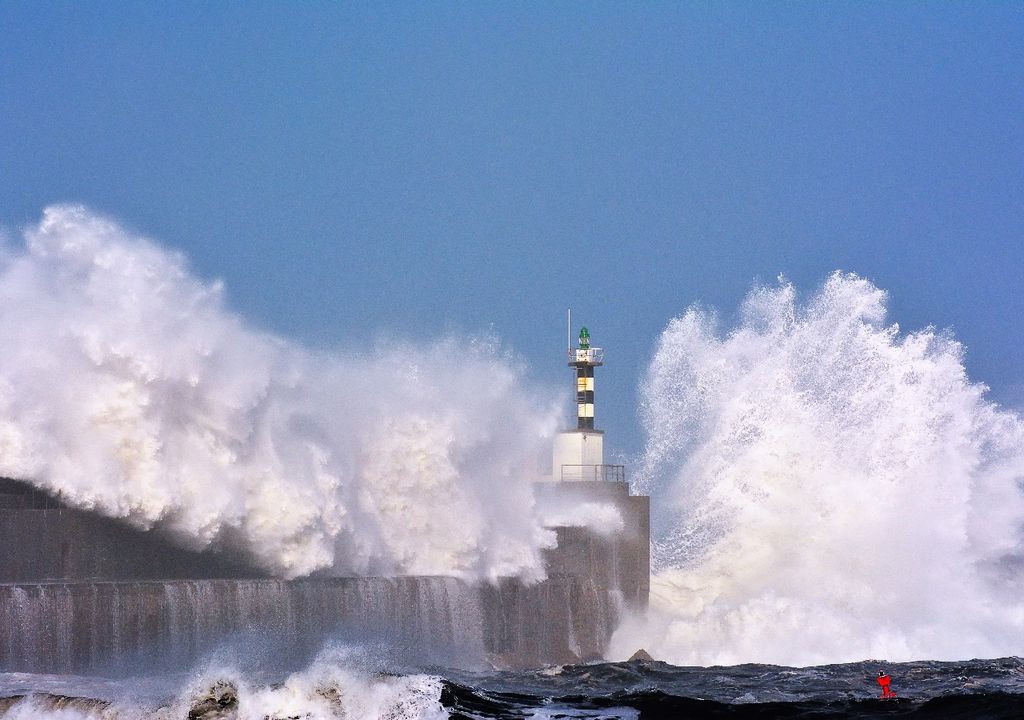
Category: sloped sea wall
[81,593]
[118,627]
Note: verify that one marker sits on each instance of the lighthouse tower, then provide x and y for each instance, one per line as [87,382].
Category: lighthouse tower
[585,358]
[617,560]
[579,454]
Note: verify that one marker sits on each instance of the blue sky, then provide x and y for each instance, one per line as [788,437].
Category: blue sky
[355,171]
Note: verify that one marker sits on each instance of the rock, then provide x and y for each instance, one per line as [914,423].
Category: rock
[220,703]
[640,655]
[335,696]
[6,703]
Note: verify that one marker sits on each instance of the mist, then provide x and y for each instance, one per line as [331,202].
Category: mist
[129,387]
[826,487]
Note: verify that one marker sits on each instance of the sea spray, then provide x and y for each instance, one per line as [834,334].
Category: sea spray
[128,386]
[826,488]
[338,684]
[347,688]
[341,683]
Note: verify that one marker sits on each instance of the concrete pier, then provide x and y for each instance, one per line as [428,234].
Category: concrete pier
[42,539]
[80,593]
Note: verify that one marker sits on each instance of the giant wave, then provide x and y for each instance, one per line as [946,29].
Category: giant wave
[129,387]
[826,488]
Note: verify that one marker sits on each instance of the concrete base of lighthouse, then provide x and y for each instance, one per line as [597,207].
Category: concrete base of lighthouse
[574,452]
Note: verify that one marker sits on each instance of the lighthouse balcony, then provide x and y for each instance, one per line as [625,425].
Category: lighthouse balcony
[590,356]
[593,473]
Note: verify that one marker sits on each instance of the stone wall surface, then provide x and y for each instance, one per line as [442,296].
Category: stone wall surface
[42,539]
[618,560]
[83,593]
[119,627]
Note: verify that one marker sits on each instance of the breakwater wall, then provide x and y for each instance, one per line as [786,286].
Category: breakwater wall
[80,593]
[115,627]
[118,627]
[42,539]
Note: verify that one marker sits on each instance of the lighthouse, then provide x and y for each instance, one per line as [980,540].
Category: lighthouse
[585,358]
[578,454]
[618,553]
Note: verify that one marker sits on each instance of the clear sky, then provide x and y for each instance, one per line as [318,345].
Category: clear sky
[353,170]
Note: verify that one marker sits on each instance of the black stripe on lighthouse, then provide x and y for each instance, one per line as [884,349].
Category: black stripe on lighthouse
[584,397]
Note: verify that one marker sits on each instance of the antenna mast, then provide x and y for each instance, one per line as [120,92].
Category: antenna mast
[568,330]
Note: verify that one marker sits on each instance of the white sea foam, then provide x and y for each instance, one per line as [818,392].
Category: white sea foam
[601,518]
[41,708]
[127,386]
[337,685]
[826,488]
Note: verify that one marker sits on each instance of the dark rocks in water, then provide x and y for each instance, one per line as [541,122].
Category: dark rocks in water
[640,655]
[334,695]
[83,706]
[220,703]
[6,703]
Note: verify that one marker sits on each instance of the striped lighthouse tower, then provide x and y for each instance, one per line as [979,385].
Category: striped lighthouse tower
[585,359]
[578,454]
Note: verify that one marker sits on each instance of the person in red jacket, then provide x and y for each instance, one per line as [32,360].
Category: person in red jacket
[883,682]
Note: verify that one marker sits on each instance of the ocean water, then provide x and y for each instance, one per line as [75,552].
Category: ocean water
[339,685]
[826,487]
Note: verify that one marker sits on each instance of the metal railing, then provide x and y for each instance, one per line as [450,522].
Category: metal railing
[590,355]
[600,473]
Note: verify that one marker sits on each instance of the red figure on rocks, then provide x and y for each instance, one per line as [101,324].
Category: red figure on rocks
[883,682]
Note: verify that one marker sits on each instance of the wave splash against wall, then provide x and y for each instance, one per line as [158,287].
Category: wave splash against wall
[827,488]
[127,386]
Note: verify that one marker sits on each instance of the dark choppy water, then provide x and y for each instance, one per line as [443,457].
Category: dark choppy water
[333,688]
[973,689]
